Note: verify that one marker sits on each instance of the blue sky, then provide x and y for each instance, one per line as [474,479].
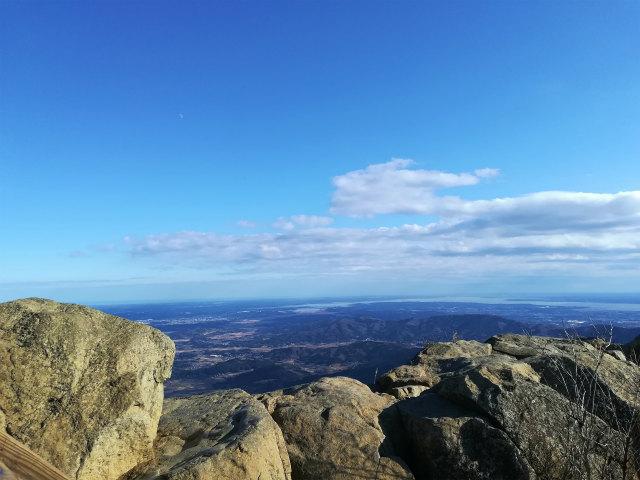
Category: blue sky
[178,150]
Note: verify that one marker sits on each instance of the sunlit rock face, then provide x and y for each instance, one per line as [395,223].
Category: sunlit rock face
[226,435]
[333,432]
[81,388]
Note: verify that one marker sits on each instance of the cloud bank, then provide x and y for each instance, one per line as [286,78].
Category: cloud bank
[549,232]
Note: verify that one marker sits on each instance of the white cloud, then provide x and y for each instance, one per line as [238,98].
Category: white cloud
[311,221]
[394,187]
[302,221]
[487,172]
[422,250]
[552,232]
[283,224]
[550,211]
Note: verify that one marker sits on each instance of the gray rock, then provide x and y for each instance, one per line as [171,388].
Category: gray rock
[576,368]
[453,443]
[603,385]
[541,422]
[409,375]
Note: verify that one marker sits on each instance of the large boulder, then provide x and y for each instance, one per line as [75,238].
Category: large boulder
[332,431]
[81,388]
[448,441]
[517,407]
[226,435]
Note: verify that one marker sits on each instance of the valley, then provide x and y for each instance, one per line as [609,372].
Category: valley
[261,346]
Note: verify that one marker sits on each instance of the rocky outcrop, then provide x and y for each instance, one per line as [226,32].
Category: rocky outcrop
[81,388]
[457,349]
[529,407]
[225,435]
[537,418]
[574,367]
[428,367]
[332,431]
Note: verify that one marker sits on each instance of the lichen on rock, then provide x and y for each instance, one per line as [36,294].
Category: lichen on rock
[81,388]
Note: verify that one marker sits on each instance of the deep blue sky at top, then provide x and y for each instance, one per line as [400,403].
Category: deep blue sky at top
[136,118]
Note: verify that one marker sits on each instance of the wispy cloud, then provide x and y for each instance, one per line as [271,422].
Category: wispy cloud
[302,221]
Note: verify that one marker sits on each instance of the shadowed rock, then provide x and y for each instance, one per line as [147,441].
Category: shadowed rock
[447,441]
[574,367]
[632,350]
[537,418]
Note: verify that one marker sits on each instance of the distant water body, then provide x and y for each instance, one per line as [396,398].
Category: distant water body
[613,304]
[629,303]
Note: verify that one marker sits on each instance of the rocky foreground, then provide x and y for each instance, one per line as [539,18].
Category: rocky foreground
[84,391]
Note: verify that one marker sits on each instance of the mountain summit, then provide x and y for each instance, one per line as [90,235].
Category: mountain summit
[83,392]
